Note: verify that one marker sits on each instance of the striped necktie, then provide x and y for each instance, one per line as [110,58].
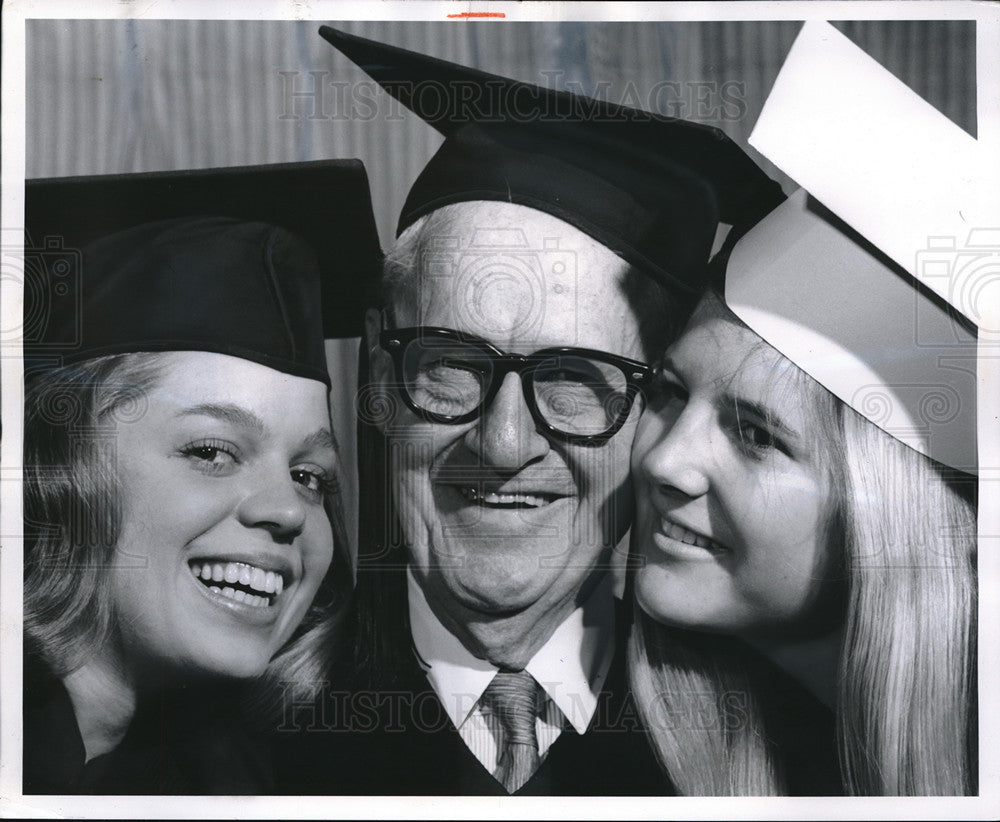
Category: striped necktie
[513,697]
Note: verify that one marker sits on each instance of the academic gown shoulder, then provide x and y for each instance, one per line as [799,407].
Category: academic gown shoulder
[179,744]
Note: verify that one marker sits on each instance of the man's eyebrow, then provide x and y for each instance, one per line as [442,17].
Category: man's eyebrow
[227,412]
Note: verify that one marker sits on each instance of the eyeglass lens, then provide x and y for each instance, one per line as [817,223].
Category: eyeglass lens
[573,394]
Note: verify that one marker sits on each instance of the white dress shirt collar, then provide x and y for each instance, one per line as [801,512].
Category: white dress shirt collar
[571,666]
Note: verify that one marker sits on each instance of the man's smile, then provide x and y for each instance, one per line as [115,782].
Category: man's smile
[508,499]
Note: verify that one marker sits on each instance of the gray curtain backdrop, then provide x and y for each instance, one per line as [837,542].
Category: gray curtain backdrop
[111,96]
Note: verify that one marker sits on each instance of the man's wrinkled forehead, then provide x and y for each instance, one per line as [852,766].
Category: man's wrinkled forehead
[517,276]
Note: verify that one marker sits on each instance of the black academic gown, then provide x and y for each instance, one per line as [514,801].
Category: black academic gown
[803,732]
[400,741]
[179,744]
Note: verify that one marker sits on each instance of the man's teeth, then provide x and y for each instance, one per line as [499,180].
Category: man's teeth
[239,581]
[682,534]
[493,498]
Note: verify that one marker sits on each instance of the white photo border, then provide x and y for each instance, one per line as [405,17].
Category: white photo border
[12,173]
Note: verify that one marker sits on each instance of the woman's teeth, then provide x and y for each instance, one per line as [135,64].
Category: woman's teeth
[682,534]
[241,582]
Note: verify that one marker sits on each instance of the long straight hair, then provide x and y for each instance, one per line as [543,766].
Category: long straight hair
[907,701]
[727,752]
[906,706]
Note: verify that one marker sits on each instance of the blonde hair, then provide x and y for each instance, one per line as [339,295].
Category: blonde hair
[72,510]
[905,712]
[726,751]
[907,691]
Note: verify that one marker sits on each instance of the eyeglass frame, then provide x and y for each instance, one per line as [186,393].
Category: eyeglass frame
[637,376]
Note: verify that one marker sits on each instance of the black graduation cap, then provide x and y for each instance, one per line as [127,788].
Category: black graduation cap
[652,189]
[261,262]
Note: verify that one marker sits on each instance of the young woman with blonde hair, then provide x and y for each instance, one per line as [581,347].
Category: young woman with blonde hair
[806,467]
[185,556]
[775,521]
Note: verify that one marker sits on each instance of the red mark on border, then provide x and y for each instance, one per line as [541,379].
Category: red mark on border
[467,14]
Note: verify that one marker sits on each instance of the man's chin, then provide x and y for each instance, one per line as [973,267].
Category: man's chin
[504,626]
[506,580]
[498,598]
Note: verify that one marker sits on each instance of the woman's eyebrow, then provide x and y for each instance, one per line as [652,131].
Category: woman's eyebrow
[322,438]
[762,412]
[227,412]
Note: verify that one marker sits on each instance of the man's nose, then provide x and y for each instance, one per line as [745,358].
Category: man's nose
[273,503]
[681,458]
[506,436]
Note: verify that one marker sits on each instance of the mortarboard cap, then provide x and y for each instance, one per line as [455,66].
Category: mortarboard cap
[250,290]
[845,300]
[326,205]
[650,188]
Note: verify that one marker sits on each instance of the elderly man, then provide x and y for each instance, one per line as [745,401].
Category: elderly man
[543,260]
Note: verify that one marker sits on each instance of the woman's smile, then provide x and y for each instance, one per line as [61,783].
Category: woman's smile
[240,581]
[226,537]
[732,499]
[670,533]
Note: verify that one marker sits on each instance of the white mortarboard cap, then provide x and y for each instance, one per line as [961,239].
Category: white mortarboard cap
[855,323]
[898,173]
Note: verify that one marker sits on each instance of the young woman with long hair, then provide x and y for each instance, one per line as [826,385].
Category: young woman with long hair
[778,526]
